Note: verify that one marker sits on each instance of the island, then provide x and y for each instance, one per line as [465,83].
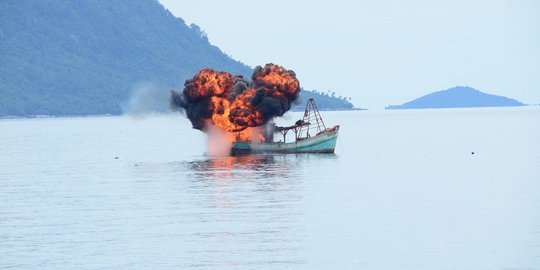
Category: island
[75,58]
[457,97]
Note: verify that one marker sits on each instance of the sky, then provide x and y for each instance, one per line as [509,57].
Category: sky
[381,52]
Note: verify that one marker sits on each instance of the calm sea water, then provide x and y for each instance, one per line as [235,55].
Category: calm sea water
[403,191]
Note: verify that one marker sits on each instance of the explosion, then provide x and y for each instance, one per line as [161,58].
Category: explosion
[235,105]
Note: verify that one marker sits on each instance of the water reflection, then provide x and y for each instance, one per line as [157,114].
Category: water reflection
[246,167]
[246,212]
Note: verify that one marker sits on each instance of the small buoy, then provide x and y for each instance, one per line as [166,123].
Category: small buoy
[136,165]
[472,153]
[115,157]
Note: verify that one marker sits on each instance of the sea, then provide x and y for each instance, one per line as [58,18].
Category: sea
[406,189]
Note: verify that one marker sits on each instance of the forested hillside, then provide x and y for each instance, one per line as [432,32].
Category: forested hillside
[83,57]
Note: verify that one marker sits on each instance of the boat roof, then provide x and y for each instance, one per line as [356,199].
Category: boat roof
[299,124]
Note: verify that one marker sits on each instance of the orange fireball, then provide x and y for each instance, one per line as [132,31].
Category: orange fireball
[213,95]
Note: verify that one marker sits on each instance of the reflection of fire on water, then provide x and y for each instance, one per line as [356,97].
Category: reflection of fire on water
[230,108]
[247,167]
[246,204]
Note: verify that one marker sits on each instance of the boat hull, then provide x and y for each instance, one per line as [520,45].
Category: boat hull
[322,143]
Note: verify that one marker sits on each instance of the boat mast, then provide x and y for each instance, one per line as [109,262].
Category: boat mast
[312,116]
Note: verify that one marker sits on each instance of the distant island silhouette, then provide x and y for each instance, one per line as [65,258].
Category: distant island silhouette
[457,97]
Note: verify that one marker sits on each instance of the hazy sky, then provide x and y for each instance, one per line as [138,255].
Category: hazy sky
[382,52]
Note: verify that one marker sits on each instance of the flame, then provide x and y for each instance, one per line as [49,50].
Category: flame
[235,116]
[213,96]
[207,83]
[274,77]
[243,113]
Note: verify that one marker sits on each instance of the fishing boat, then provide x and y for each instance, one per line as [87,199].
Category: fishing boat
[310,136]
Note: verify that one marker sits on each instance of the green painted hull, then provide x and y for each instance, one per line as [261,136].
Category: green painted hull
[323,143]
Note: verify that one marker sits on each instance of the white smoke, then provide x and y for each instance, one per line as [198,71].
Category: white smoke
[219,141]
[147,98]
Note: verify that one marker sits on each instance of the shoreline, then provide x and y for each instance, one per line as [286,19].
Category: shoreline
[292,110]
[125,114]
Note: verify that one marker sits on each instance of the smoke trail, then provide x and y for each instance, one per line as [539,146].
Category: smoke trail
[147,98]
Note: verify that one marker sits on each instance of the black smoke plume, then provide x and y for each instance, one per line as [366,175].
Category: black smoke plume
[234,103]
